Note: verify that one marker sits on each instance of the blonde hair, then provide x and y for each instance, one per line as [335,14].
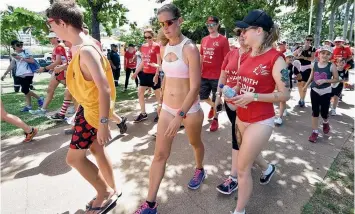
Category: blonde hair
[149,30]
[162,38]
[269,38]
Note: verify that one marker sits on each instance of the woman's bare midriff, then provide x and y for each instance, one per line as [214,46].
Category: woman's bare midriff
[175,91]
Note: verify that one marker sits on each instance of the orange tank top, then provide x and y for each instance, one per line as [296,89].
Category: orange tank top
[85,91]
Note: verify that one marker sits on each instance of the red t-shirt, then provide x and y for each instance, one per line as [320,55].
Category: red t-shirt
[213,51]
[59,50]
[128,59]
[255,75]
[149,55]
[230,66]
[343,52]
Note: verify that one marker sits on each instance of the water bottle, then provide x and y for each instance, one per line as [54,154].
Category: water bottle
[229,93]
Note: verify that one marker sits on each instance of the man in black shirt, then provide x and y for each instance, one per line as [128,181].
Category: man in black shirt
[115,61]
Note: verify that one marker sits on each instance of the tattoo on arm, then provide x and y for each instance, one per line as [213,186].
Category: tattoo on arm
[285,77]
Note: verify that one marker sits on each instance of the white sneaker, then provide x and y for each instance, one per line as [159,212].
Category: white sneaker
[285,113]
[333,112]
[71,110]
[278,121]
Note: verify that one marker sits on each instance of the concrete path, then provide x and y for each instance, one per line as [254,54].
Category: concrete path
[36,179]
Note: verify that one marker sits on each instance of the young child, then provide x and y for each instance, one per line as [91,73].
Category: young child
[292,71]
[342,69]
[321,90]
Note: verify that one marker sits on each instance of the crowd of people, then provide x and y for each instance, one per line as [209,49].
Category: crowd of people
[259,70]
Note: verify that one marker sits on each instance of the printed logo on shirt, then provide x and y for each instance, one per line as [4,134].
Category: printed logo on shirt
[216,44]
[261,69]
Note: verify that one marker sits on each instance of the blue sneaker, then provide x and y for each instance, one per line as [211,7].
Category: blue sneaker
[38,112]
[26,109]
[40,102]
[145,209]
[197,180]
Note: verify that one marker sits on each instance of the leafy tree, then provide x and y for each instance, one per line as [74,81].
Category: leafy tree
[109,13]
[135,36]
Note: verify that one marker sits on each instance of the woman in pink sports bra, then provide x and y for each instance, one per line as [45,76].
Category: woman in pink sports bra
[181,85]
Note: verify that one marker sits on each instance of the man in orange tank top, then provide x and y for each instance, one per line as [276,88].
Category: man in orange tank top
[90,81]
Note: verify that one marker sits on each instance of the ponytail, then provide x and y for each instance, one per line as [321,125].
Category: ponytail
[270,37]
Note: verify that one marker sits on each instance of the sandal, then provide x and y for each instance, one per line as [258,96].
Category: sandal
[109,201]
[89,204]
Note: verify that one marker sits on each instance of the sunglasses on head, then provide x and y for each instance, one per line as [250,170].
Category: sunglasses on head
[167,23]
[148,37]
[211,24]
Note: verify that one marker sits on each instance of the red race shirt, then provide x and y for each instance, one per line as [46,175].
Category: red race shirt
[213,51]
[230,66]
[149,55]
[255,75]
[343,52]
[60,50]
[128,60]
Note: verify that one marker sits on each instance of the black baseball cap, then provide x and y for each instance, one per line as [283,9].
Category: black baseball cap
[257,18]
[214,19]
[14,42]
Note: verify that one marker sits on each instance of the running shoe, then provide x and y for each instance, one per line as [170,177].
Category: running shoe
[26,109]
[313,137]
[326,128]
[29,136]
[265,179]
[156,119]
[197,179]
[141,117]
[38,112]
[302,104]
[57,117]
[40,102]
[333,112]
[211,113]
[145,209]
[278,121]
[299,102]
[228,186]
[214,125]
[123,126]
[219,108]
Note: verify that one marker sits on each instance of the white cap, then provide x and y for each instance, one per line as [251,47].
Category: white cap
[326,48]
[288,53]
[328,40]
[52,35]
[339,39]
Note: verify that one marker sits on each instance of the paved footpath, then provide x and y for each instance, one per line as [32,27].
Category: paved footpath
[36,179]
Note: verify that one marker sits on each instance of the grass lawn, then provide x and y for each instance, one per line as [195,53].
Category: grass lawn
[14,102]
[336,193]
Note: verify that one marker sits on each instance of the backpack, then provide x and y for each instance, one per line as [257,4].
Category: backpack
[33,66]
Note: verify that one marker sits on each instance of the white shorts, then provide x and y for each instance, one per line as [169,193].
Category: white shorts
[267,122]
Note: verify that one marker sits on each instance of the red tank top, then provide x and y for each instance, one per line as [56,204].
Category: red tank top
[255,75]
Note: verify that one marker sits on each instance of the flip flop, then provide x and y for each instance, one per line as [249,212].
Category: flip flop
[88,205]
[108,203]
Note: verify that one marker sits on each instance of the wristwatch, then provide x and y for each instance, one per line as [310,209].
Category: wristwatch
[256,96]
[181,114]
[104,120]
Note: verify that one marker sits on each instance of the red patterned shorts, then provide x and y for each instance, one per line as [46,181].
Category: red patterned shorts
[84,134]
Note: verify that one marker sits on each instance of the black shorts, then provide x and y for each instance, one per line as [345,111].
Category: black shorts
[337,91]
[25,83]
[208,86]
[305,75]
[146,80]
[84,134]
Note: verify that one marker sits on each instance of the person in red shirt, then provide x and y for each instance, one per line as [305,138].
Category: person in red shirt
[258,75]
[148,73]
[214,48]
[342,51]
[59,57]
[130,62]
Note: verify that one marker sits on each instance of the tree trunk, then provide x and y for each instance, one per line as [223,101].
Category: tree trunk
[95,23]
[331,24]
[351,34]
[346,20]
[319,16]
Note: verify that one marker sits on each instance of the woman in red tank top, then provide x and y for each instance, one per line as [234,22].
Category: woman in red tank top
[258,75]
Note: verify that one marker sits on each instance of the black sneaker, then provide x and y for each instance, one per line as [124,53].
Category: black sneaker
[156,119]
[58,117]
[228,186]
[265,179]
[123,126]
[141,117]
[219,108]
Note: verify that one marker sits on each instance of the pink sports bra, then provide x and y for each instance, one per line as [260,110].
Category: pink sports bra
[177,68]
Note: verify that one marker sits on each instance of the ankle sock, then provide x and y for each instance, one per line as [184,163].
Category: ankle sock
[151,204]
[235,212]
[268,171]
[315,131]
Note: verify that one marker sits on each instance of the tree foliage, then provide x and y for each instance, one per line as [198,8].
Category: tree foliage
[135,36]
[109,13]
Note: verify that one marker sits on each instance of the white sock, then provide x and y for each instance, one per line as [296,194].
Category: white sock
[315,131]
[268,171]
[235,212]
[42,109]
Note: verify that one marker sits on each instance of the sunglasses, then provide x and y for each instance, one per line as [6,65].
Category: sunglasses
[148,37]
[211,24]
[48,22]
[19,45]
[309,40]
[167,23]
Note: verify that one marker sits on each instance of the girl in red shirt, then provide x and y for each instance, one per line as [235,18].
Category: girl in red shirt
[258,75]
